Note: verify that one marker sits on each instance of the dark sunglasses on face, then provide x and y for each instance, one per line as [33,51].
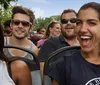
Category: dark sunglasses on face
[72,20]
[24,23]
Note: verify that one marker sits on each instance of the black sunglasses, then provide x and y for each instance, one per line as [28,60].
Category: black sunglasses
[65,21]
[24,23]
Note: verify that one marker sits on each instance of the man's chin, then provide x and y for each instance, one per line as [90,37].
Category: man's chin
[20,37]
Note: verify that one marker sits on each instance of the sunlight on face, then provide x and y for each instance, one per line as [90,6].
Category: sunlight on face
[88,29]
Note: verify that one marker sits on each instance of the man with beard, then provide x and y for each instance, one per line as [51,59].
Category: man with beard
[68,37]
[21,24]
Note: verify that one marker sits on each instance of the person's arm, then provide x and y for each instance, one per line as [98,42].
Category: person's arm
[45,50]
[41,69]
[21,73]
[57,73]
[54,82]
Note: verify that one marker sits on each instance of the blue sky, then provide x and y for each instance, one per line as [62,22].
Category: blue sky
[47,8]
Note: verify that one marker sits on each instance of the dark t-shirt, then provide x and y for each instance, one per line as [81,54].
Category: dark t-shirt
[50,45]
[75,70]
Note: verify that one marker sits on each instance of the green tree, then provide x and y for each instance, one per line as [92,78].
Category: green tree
[5,14]
[57,17]
[5,9]
[5,3]
[43,22]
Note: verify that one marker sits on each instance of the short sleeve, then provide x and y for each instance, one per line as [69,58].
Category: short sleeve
[45,50]
[58,73]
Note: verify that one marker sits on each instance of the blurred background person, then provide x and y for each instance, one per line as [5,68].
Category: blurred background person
[53,29]
[7,29]
[40,33]
[41,30]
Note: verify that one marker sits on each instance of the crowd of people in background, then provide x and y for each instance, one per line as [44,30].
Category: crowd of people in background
[73,29]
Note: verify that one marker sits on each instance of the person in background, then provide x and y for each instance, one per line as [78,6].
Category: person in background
[82,67]
[41,30]
[21,23]
[21,74]
[7,29]
[39,35]
[53,29]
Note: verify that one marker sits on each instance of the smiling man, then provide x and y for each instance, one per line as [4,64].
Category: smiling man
[21,24]
[68,37]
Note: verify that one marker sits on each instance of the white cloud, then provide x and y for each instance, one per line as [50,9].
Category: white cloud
[15,4]
[42,1]
[38,12]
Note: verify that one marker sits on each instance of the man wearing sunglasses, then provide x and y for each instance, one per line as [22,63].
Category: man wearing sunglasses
[68,37]
[21,24]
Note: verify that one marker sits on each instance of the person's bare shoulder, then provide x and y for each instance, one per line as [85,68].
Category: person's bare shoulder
[19,64]
[21,73]
[35,49]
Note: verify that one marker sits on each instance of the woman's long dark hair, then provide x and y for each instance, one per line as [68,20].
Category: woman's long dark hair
[2,56]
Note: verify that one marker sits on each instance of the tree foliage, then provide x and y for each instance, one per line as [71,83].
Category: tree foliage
[5,9]
[43,22]
[5,14]
[5,3]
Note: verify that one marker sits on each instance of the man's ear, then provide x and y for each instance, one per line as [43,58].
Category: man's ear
[11,25]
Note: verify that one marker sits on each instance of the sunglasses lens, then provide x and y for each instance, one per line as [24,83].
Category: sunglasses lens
[73,20]
[64,21]
[24,23]
[16,22]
